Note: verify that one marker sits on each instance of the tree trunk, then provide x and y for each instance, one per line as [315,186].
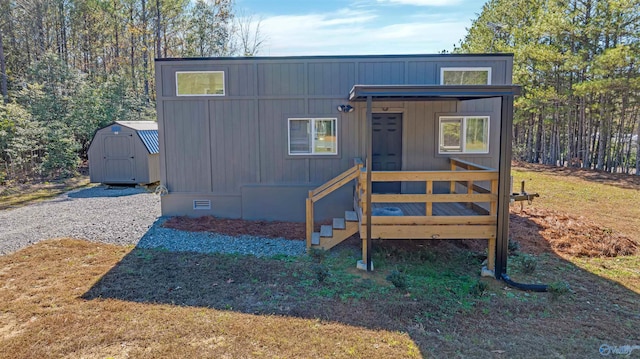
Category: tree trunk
[529,155]
[40,41]
[145,51]
[603,137]
[62,49]
[638,151]
[538,144]
[3,72]
[158,30]
[133,51]
[116,25]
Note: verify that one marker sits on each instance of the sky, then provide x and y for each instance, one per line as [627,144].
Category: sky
[360,27]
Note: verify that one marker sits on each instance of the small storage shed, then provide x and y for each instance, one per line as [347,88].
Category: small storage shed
[125,152]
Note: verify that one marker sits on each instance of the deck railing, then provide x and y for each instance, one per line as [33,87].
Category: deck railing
[326,189]
[470,175]
[428,225]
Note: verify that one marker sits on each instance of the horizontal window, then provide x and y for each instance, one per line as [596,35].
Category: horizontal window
[200,83]
[465,76]
[313,136]
[464,134]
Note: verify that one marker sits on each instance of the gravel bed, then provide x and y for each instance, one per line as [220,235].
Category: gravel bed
[207,242]
[121,216]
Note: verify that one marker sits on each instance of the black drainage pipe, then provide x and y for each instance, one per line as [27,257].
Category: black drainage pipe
[522,286]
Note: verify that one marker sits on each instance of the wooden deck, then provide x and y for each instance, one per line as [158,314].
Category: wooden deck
[439,209]
[427,215]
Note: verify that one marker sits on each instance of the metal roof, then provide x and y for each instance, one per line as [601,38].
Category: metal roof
[150,140]
[139,125]
[426,92]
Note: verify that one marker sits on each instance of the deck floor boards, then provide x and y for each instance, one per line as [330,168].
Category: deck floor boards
[439,209]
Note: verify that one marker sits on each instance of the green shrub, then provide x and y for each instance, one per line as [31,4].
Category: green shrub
[478,289]
[558,289]
[398,279]
[513,246]
[321,271]
[318,255]
[529,264]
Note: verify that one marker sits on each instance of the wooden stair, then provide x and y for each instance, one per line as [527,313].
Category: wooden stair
[332,235]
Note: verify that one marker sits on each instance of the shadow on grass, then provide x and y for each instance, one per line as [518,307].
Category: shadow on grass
[444,305]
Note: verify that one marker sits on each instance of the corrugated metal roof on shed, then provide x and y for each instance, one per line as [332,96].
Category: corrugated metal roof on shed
[150,140]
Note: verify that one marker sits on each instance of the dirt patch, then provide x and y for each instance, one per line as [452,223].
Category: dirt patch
[238,227]
[566,234]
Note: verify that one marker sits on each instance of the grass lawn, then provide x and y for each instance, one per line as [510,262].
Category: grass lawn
[76,299]
[18,195]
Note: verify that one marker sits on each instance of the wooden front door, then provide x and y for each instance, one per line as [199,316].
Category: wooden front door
[387,148]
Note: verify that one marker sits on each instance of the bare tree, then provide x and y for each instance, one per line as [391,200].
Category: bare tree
[249,34]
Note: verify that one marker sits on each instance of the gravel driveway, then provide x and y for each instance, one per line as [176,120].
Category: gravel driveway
[122,216]
[117,215]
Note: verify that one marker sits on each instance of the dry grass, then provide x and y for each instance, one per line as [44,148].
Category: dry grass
[610,200]
[43,315]
[21,194]
[578,236]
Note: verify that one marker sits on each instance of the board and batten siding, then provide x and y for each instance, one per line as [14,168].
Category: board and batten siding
[232,149]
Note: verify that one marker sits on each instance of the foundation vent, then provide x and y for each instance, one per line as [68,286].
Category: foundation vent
[201,204]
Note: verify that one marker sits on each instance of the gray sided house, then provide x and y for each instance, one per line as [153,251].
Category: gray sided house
[125,152]
[353,138]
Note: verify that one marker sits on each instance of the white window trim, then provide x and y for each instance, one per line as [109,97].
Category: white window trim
[224,86]
[463,134]
[443,69]
[313,129]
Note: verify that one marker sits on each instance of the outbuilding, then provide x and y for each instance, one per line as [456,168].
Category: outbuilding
[125,152]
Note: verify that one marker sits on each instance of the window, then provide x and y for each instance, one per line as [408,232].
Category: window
[200,83]
[465,76]
[464,134]
[313,136]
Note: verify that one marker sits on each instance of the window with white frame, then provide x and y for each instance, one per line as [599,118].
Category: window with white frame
[313,136]
[465,76]
[464,134]
[200,83]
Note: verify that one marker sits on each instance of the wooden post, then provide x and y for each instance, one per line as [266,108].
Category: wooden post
[366,252]
[493,210]
[429,205]
[470,192]
[309,219]
[452,184]
[491,254]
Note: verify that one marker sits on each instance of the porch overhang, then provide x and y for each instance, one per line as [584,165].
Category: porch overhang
[507,93]
[430,92]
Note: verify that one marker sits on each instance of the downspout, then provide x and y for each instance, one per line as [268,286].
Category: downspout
[369,164]
[502,248]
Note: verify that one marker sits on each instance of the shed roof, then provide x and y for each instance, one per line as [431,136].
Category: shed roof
[139,125]
[146,130]
[150,140]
